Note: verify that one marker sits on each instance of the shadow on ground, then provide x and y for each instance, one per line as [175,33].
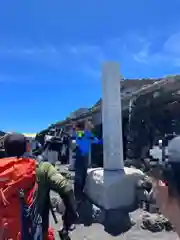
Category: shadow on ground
[115,222]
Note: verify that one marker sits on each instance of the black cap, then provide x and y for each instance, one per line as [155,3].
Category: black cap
[15,144]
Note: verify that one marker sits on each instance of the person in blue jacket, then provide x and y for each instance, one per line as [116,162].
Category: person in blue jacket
[84,138]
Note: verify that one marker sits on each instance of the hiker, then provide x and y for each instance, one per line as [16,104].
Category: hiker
[26,186]
[83,138]
[52,149]
[38,149]
[50,134]
[166,184]
[64,154]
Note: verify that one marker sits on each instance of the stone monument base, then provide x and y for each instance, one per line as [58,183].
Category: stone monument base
[112,190]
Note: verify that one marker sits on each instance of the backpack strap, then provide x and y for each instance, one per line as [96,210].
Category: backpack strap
[14,187]
[31,222]
[25,231]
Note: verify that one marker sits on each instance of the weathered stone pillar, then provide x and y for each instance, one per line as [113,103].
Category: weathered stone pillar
[111,117]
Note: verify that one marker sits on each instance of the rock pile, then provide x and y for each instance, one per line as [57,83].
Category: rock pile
[156,223]
[152,220]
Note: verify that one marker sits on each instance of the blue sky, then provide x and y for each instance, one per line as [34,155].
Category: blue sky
[51,53]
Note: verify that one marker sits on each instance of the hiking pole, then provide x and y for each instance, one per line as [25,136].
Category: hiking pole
[63,233]
[53,214]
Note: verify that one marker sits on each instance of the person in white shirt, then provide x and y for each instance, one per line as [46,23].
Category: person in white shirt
[51,149]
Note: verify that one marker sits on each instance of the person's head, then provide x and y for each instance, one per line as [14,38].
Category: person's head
[51,132]
[15,145]
[80,126]
[167,184]
[89,125]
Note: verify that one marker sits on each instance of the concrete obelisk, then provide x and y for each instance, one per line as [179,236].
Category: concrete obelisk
[113,186]
[112,117]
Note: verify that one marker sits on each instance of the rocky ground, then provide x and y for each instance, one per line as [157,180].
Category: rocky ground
[95,231]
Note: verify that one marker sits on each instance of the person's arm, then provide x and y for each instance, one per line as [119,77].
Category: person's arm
[59,184]
[45,145]
[94,139]
[55,180]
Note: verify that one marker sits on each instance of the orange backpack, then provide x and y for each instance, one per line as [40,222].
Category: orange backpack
[16,174]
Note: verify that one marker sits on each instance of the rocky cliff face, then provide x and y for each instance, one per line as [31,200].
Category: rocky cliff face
[2,139]
[150,116]
[2,133]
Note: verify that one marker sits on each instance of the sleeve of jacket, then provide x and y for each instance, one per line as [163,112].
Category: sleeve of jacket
[54,179]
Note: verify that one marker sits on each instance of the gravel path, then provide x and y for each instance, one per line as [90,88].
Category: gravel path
[96,231]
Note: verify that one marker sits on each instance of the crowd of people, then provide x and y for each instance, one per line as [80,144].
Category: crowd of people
[26,182]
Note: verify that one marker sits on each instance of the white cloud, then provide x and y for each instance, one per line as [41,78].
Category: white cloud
[84,59]
[143,55]
[172,45]
[87,59]
[92,72]
[20,51]
[168,54]
[72,56]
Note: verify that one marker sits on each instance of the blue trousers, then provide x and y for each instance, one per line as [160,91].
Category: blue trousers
[81,166]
